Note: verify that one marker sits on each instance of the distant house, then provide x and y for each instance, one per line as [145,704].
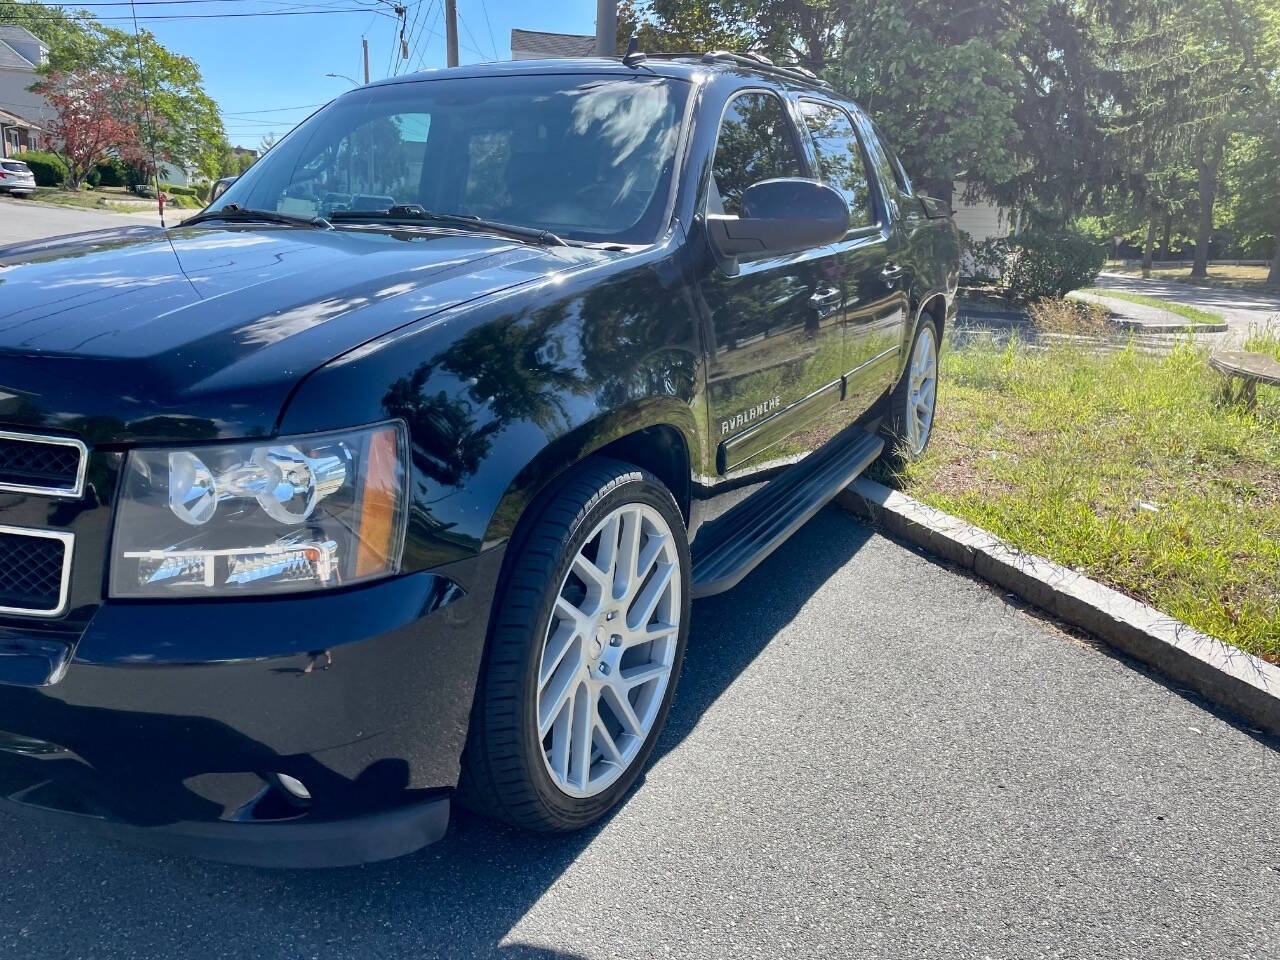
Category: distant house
[18,135]
[534,45]
[980,219]
[21,52]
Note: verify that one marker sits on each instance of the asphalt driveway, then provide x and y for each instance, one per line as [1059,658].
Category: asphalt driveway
[1242,309]
[869,756]
[22,220]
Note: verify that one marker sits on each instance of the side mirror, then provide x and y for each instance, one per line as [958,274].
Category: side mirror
[220,187]
[779,216]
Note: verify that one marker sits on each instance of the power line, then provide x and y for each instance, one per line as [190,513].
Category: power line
[207,16]
[432,32]
[416,42]
[482,56]
[245,113]
[406,36]
[485,7]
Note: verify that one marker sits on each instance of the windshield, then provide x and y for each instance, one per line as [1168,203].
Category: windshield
[588,158]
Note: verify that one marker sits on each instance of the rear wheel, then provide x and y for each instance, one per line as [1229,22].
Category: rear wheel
[914,399]
[585,652]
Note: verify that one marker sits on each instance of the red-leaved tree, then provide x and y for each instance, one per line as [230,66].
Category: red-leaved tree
[94,119]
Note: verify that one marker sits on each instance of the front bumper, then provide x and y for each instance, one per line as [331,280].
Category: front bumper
[172,721]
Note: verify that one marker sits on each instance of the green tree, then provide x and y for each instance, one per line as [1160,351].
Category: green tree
[165,99]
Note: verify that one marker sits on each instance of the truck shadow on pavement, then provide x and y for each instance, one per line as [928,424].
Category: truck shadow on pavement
[460,897]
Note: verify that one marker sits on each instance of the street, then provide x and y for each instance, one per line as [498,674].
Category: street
[869,756]
[22,220]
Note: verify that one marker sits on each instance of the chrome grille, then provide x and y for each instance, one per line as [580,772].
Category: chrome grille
[35,566]
[50,466]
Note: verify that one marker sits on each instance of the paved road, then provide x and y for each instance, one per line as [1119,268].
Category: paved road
[1242,309]
[22,220]
[870,756]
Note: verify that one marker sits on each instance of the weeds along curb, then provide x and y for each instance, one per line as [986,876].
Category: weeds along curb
[1223,674]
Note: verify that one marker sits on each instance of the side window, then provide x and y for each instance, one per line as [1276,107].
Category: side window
[755,143]
[840,158]
[900,178]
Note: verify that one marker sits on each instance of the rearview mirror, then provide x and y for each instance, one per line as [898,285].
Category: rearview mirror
[779,216]
[220,187]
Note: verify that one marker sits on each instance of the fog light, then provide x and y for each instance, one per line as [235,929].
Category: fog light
[293,786]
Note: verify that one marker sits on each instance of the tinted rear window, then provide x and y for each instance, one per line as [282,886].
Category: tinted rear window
[15,167]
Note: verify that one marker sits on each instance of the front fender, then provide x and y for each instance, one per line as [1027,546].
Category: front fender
[503,395]
[563,453]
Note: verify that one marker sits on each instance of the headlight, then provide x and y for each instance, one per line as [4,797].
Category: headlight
[296,513]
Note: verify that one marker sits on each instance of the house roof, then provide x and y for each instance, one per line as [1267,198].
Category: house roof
[552,45]
[11,58]
[12,119]
[11,31]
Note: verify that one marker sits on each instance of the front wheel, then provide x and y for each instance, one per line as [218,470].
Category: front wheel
[914,399]
[584,653]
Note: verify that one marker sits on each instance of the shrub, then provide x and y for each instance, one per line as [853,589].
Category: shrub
[1072,317]
[1047,264]
[93,179]
[984,261]
[50,171]
[176,191]
[111,173]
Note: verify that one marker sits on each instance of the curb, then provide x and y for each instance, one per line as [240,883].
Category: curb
[1143,326]
[1223,674]
[1126,321]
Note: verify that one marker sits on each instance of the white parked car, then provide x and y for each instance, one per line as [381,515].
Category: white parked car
[16,178]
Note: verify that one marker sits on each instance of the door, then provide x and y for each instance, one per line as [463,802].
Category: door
[873,310]
[773,329]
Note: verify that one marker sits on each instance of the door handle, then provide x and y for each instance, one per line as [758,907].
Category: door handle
[891,271]
[825,301]
[825,297]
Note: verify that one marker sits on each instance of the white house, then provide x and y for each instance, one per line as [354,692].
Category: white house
[21,52]
[981,219]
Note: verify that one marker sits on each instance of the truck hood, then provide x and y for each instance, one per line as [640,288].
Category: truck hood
[203,332]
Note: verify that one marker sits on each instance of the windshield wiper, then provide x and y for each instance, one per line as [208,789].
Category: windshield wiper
[235,213]
[412,213]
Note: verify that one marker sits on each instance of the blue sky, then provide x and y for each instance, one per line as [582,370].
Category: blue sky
[255,64]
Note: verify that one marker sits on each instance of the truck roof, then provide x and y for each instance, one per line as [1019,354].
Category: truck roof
[681,66]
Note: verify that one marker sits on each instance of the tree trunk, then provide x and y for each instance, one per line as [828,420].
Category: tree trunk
[1273,275]
[1165,240]
[1148,248]
[1208,174]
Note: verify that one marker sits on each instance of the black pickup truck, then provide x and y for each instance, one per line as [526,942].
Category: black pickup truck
[388,479]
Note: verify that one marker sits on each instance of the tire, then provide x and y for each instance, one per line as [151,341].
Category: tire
[905,427]
[527,761]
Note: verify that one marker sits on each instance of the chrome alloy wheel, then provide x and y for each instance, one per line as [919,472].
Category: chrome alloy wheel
[607,656]
[922,391]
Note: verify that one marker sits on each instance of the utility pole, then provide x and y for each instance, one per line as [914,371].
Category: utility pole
[364,42]
[451,32]
[607,28]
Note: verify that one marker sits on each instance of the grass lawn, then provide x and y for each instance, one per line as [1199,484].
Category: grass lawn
[1234,277]
[1265,341]
[89,199]
[1187,313]
[1122,466]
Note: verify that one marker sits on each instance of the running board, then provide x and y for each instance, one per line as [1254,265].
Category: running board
[733,545]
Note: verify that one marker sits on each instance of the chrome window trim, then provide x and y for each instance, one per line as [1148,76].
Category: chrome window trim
[68,547]
[75,491]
